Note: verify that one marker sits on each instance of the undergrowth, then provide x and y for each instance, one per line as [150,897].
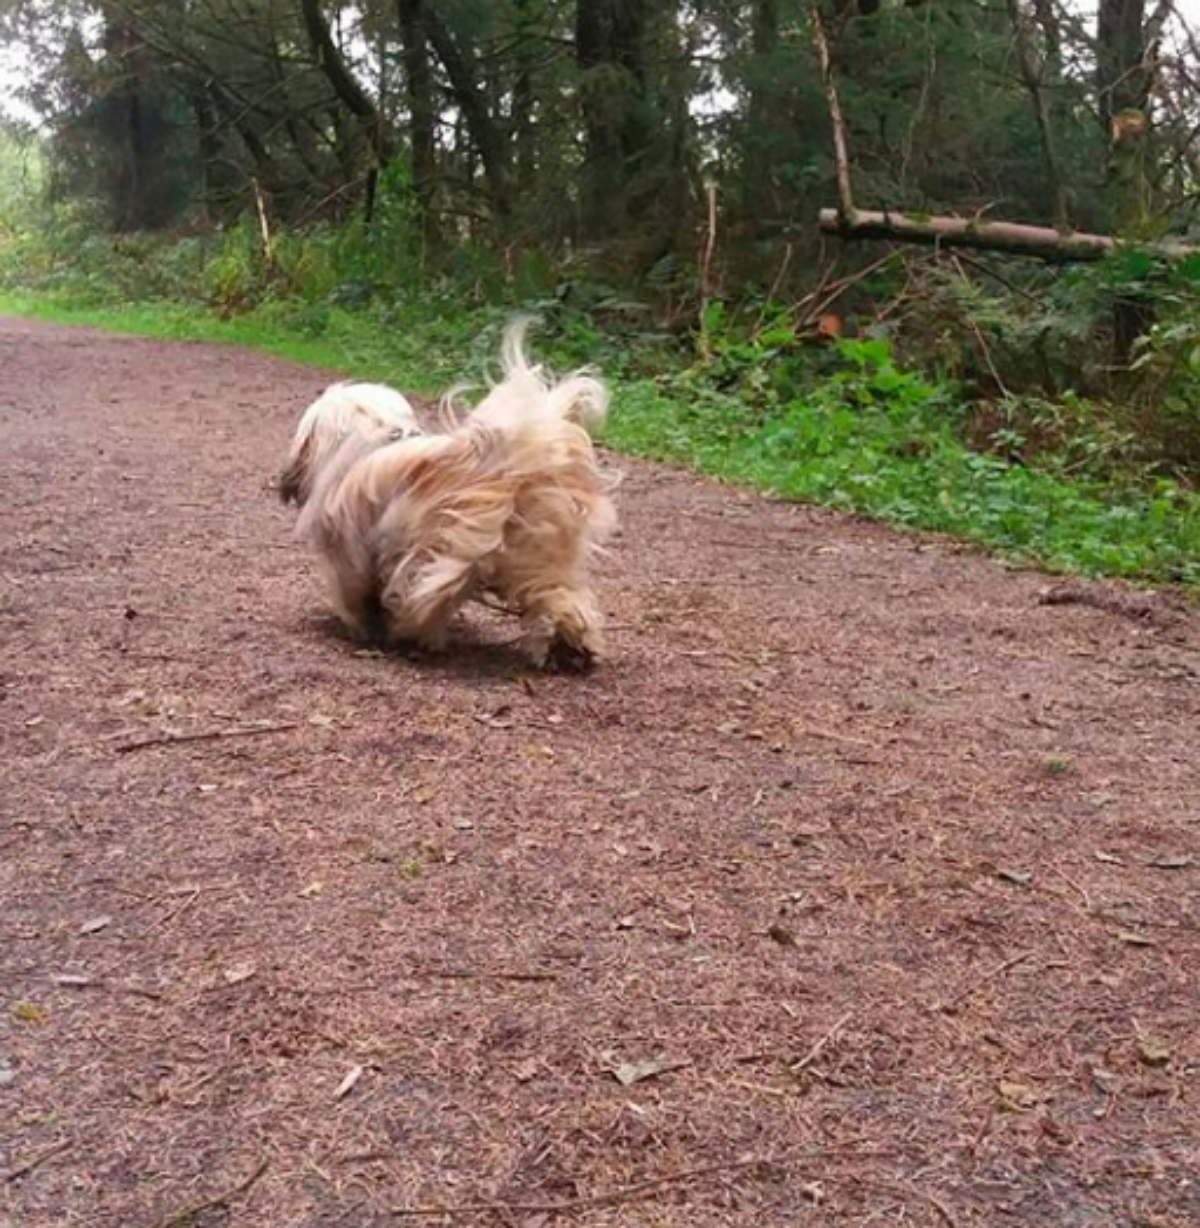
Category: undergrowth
[745,397]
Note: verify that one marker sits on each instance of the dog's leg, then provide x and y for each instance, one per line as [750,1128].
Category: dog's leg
[360,610]
[562,626]
[355,600]
[423,596]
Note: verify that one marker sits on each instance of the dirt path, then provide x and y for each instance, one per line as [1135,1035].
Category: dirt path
[892,864]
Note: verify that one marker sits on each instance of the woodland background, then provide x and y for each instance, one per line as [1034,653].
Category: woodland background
[383,182]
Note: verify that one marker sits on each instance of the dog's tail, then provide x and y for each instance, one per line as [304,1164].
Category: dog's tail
[528,392]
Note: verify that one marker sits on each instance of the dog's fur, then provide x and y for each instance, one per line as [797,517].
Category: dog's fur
[339,412]
[509,500]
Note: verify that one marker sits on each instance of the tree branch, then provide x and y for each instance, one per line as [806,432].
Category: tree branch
[1042,242]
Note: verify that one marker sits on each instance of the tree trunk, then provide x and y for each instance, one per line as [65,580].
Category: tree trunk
[1050,25]
[841,147]
[352,96]
[1125,44]
[610,51]
[422,115]
[208,146]
[469,96]
[524,136]
[762,112]
[1032,74]
[602,191]
[1011,237]
[133,173]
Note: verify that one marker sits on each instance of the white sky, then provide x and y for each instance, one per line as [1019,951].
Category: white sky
[12,60]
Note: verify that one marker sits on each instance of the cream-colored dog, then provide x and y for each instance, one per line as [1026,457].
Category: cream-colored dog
[510,500]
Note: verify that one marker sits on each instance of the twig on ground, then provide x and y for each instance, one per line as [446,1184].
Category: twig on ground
[208,735]
[999,970]
[815,1052]
[187,1214]
[179,908]
[630,1193]
[467,974]
[944,1212]
[809,731]
[36,1161]
[1083,895]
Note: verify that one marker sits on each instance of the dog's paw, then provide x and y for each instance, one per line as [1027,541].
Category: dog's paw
[569,657]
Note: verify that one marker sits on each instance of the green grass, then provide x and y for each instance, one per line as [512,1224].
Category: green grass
[866,437]
[346,344]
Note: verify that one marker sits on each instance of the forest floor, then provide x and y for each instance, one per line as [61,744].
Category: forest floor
[860,885]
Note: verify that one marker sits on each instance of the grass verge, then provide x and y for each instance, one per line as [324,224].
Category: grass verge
[869,437]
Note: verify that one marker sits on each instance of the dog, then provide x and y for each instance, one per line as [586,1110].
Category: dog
[507,500]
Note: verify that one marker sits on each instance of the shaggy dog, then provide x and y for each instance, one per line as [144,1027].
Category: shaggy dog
[508,500]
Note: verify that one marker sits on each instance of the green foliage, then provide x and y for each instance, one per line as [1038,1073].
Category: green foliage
[1064,479]
[878,439]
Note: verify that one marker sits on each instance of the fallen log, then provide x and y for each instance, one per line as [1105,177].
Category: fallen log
[1015,238]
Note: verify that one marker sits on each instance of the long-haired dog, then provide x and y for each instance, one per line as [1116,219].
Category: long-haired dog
[508,500]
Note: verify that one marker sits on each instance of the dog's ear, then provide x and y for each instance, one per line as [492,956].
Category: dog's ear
[293,481]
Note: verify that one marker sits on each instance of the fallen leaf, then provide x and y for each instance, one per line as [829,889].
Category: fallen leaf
[27,1012]
[312,890]
[34,721]
[95,925]
[1134,939]
[73,980]
[346,1086]
[782,935]
[829,326]
[237,973]
[1171,861]
[1154,1051]
[1018,1097]
[1108,858]
[321,721]
[499,719]
[524,1071]
[8,1073]
[629,1073]
[464,824]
